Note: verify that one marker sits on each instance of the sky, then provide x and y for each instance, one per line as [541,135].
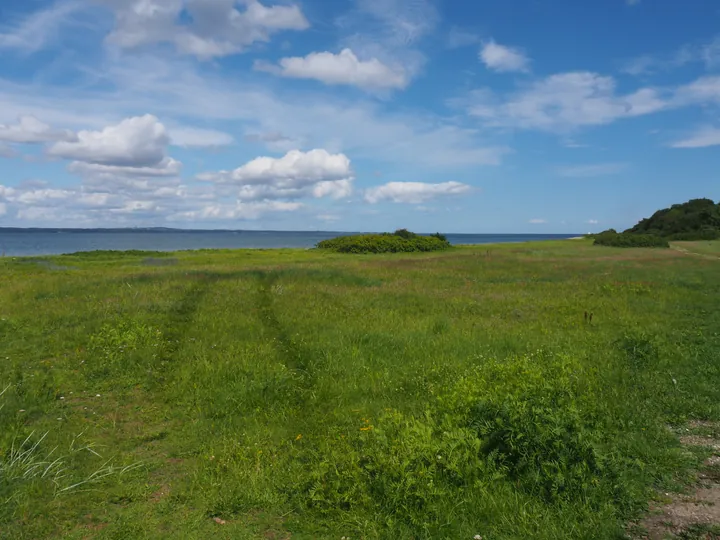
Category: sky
[512,116]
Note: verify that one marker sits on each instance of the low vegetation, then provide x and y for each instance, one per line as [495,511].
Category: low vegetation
[401,241]
[627,240]
[512,391]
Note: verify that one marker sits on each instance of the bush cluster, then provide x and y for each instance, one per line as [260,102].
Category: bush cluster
[528,420]
[401,241]
[627,240]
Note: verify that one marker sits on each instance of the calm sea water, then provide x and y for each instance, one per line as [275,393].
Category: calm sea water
[28,243]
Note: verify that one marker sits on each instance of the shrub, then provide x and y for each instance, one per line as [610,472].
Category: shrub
[439,236]
[402,241]
[404,233]
[697,235]
[627,240]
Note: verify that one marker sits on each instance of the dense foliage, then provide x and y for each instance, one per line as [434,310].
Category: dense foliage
[613,239]
[401,241]
[698,219]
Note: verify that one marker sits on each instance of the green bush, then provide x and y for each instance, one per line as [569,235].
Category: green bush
[697,235]
[627,240]
[402,241]
[404,233]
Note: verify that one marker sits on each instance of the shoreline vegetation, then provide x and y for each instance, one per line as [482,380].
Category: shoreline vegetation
[504,391]
[401,241]
[695,220]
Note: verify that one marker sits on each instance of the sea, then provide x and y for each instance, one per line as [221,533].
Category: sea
[35,242]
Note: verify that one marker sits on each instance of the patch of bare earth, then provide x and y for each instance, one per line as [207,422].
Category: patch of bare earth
[695,515]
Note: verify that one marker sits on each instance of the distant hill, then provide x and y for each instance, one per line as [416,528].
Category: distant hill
[698,219]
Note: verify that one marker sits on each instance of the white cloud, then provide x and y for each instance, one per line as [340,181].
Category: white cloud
[592,222]
[335,189]
[707,53]
[190,137]
[275,141]
[135,142]
[704,137]
[702,90]
[563,102]
[166,167]
[31,130]
[7,151]
[503,59]
[34,31]
[592,170]
[401,21]
[216,27]
[457,38]
[294,168]
[174,89]
[3,209]
[390,31]
[537,221]
[343,68]
[413,192]
[241,210]
[297,174]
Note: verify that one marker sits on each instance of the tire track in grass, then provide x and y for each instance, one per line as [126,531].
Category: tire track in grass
[295,357]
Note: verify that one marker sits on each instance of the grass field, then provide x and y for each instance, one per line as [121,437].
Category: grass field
[706,248]
[514,391]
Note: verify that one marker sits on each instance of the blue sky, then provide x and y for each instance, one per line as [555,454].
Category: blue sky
[453,116]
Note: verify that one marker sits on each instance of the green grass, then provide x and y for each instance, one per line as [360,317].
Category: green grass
[704,247]
[321,395]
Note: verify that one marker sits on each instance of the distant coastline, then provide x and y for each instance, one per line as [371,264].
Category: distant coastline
[17,242]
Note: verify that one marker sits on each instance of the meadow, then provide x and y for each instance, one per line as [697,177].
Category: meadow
[507,391]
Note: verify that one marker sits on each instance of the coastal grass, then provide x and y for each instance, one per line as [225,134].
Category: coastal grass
[508,391]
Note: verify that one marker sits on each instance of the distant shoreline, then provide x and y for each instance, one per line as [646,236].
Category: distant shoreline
[46,242]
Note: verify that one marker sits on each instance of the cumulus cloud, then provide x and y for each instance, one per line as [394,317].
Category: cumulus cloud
[215,27]
[413,192]
[335,189]
[134,142]
[29,130]
[703,138]
[296,174]
[503,59]
[342,68]
[592,170]
[564,102]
